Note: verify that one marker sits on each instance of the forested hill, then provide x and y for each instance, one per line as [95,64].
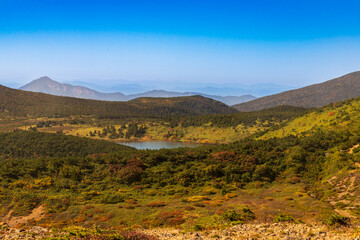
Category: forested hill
[247,119]
[37,144]
[22,103]
[316,95]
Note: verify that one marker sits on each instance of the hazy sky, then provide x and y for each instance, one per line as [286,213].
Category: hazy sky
[289,42]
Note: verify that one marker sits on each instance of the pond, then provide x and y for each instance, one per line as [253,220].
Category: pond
[154,145]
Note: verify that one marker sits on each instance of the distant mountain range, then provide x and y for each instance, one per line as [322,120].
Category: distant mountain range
[317,95]
[222,89]
[49,86]
[14,102]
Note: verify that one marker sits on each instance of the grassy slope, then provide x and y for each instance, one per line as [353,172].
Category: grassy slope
[156,131]
[341,116]
[74,200]
[339,181]
[220,128]
[289,193]
[33,144]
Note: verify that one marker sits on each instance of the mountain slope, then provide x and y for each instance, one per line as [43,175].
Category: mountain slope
[49,86]
[21,103]
[338,166]
[316,95]
[335,117]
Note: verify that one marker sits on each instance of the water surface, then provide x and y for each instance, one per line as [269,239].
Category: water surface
[154,145]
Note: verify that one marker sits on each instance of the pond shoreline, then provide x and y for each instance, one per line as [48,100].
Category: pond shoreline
[146,139]
[158,144]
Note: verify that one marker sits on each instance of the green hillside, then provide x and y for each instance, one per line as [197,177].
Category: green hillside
[334,117]
[338,174]
[213,129]
[293,176]
[22,103]
[268,117]
[306,169]
[36,144]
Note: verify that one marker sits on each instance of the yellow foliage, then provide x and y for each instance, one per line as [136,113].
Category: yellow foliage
[19,184]
[196,198]
[215,203]
[299,194]
[42,183]
[230,195]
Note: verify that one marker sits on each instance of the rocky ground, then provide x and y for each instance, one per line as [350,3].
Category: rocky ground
[32,233]
[264,231]
[286,231]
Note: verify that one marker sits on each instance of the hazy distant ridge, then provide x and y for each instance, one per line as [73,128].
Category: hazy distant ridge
[317,95]
[49,86]
[16,102]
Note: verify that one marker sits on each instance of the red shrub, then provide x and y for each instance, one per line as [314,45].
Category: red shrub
[224,156]
[130,201]
[129,206]
[189,208]
[132,171]
[248,164]
[173,218]
[88,207]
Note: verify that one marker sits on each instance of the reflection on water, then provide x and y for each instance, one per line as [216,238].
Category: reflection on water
[153,145]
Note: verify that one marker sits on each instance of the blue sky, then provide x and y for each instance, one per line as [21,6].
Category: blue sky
[162,43]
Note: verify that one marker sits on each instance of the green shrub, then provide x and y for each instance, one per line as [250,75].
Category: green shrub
[231,216]
[57,204]
[337,219]
[283,218]
[199,227]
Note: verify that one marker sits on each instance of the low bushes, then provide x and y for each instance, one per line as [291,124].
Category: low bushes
[57,204]
[337,220]
[196,199]
[283,218]
[156,204]
[232,216]
[172,218]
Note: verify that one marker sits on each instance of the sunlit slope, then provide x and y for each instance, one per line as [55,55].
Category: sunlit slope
[22,103]
[338,116]
[219,128]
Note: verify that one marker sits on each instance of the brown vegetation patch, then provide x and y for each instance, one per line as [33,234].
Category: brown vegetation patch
[156,204]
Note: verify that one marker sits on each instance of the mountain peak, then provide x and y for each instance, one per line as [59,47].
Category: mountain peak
[43,84]
[44,79]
